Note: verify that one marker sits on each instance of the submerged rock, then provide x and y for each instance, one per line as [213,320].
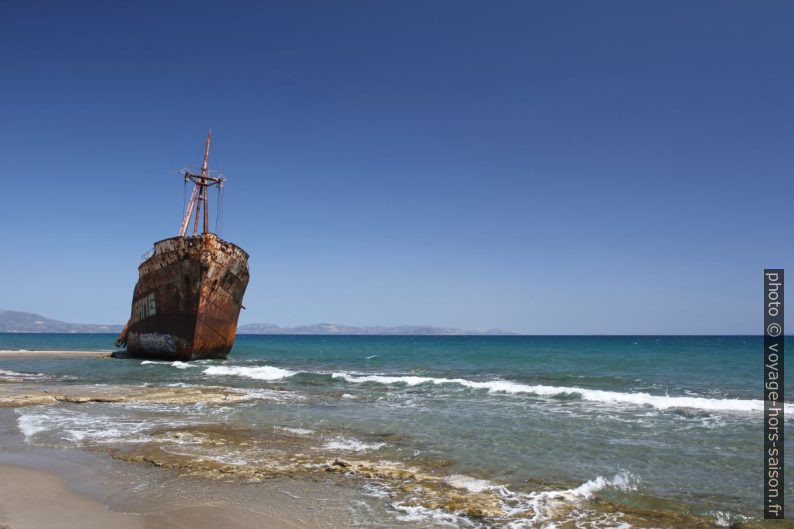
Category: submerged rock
[25,395]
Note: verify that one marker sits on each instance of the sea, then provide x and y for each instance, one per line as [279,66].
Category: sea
[448,431]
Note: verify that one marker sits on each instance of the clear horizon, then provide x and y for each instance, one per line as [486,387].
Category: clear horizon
[554,169]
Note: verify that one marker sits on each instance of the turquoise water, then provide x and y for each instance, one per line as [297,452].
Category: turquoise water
[664,422]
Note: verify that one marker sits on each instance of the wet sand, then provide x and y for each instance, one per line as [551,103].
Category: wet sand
[36,499]
[32,498]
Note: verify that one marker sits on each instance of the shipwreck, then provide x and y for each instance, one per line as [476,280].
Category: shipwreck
[190,289]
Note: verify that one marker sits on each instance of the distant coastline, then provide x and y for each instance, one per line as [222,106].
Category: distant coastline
[28,322]
[333,328]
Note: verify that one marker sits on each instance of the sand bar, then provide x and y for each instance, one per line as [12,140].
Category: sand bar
[6,353]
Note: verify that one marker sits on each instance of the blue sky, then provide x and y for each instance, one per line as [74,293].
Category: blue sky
[543,167]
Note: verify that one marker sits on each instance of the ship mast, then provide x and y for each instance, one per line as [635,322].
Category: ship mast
[200,196]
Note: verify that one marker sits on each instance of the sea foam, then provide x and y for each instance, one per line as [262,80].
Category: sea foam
[460,481]
[296,431]
[31,424]
[417,513]
[79,427]
[177,364]
[351,445]
[258,373]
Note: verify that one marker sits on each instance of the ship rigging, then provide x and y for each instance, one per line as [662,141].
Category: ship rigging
[200,196]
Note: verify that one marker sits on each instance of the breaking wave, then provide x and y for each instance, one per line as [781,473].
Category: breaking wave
[526,510]
[662,402]
[539,507]
[258,373]
[177,364]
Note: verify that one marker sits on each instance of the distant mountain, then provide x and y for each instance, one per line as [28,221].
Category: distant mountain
[333,328]
[13,321]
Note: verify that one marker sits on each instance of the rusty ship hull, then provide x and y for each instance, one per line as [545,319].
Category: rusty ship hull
[187,299]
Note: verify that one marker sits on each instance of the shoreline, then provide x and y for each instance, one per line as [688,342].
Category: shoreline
[70,487]
[251,440]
